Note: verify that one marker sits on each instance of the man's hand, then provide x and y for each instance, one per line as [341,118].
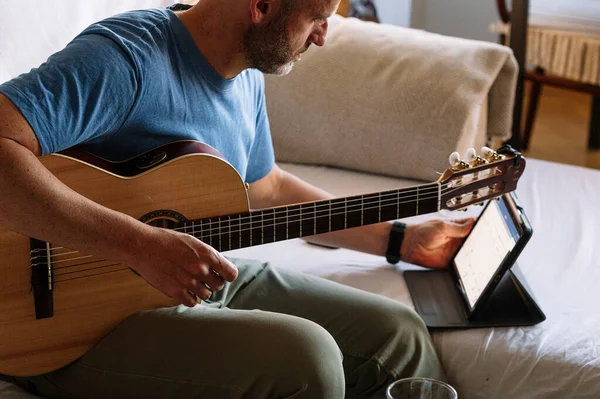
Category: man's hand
[434,243]
[181,266]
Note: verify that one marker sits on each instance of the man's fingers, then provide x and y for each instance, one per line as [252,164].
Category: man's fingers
[214,281]
[470,220]
[459,228]
[227,270]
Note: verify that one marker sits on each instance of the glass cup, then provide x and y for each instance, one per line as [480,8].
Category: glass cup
[420,388]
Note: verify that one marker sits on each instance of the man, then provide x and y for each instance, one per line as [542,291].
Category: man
[188,74]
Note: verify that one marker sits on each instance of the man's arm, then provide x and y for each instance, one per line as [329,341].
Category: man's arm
[429,244]
[35,203]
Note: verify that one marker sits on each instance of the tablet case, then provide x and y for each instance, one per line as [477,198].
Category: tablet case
[438,302]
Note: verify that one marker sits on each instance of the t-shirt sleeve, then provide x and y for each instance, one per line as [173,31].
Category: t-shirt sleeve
[82,92]
[261,158]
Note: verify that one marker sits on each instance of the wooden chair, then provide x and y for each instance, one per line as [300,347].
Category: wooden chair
[539,77]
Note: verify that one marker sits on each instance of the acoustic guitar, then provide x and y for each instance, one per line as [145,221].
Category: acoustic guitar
[57,303]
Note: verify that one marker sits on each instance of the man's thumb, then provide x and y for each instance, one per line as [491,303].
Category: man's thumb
[459,228]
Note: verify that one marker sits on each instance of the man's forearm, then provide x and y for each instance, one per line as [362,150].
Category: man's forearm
[370,239]
[35,203]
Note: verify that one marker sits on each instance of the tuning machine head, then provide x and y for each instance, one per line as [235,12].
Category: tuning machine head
[491,155]
[456,163]
[474,159]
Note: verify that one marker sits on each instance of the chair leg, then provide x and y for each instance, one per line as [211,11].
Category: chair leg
[532,107]
[594,137]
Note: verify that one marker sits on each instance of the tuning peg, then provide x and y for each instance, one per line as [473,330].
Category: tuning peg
[454,158]
[486,151]
[456,162]
[471,154]
[491,155]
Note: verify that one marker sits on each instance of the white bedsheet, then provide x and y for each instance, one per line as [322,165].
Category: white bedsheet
[557,359]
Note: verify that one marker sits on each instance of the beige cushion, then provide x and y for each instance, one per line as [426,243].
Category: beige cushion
[390,100]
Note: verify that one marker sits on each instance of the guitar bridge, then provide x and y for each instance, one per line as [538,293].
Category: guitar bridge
[42,279]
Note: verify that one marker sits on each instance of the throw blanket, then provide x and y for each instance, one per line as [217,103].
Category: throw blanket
[409,96]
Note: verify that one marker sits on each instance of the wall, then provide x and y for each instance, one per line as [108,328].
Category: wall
[395,12]
[463,18]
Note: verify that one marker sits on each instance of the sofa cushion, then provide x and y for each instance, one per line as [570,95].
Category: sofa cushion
[390,100]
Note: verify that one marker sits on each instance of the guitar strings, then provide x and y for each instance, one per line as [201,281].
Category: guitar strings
[217,233]
[394,193]
[241,227]
[317,209]
[432,187]
[194,232]
[56,281]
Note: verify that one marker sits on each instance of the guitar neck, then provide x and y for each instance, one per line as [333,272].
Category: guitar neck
[301,220]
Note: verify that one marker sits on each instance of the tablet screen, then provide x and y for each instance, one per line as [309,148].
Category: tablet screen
[492,238]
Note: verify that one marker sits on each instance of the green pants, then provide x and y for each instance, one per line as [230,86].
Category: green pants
[272,333]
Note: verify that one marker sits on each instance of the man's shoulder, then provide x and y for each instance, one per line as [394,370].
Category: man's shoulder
[132,26]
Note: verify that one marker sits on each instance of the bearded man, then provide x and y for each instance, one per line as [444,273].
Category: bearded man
[144,78]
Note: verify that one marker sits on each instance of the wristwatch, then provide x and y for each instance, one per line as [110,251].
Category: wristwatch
[392,255]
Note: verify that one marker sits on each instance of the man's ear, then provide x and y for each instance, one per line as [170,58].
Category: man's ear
[262,11]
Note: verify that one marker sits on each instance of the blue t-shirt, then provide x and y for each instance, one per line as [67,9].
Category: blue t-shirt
[137,80]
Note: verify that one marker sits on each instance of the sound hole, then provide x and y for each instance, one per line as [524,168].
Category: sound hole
[166,219]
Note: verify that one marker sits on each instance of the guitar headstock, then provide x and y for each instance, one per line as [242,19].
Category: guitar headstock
[480,177]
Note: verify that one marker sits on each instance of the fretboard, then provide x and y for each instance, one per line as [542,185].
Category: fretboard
[286,222]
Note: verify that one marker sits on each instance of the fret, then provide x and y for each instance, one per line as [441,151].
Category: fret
[219,234]
[269,223]
[389,205]
[379,209]
[371,212]
[294,224]
[209,235]
[362,210]
[245,230]
[224,235]
[287,223]
[262,228]
[235,235]
[229,230]
[315,217]
[201,235]
[337,212]
[301,220]
[345,213]
[398,204]
[307,220]
[330,215]
[322,220]
[353,212]
[256,230]
[281,224]
[417,211]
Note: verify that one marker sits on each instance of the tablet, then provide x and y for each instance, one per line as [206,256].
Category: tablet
[496,240]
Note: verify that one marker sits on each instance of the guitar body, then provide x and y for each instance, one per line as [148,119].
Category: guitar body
[189,180]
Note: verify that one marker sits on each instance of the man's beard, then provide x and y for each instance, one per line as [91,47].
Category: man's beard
[268,48]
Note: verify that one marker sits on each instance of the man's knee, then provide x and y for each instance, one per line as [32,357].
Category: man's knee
[312,360]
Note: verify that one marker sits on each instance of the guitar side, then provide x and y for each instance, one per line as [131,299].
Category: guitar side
[194,185]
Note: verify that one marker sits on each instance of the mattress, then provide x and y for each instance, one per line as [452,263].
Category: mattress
[559,358]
